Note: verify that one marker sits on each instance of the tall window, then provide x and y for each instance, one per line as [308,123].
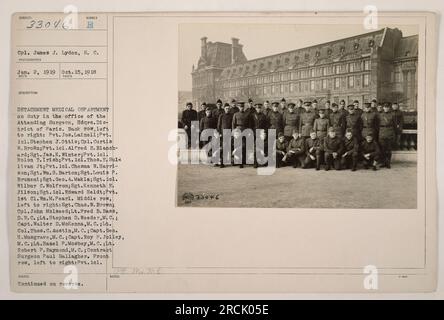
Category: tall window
[324,71]
[351,67]
[291,87]
[312,85]
[366,80]
[324,83]
[366,64]
[337,83]
[312,72]
[282,88]
[338,69]
[351,81]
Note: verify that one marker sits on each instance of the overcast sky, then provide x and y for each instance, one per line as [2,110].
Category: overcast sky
[260,40]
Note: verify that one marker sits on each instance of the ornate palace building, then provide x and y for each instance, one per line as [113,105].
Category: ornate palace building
[380,64]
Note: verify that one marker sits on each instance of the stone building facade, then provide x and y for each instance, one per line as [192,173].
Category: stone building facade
[380,64]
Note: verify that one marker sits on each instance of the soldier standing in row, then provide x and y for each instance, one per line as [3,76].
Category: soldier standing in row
[399,123]
[201,113]
[342,108]
[275,119]
[259,119]
[307,120]
[283,106]
[351,151]
[241,119]
[321,125]
[267,109]
[370,151]
[291,121]
[327,108]
[207,122]
[353,122]
[337,120]
[313,151]
[387,127]
[218,111]
[370,121]
[234,109]
[225,122]
[332,150]
[299,109]
[188,116]
[358,109]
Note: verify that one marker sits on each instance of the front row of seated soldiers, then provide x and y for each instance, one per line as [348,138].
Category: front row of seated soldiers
[331,150]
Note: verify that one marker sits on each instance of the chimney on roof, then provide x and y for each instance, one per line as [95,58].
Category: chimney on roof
[235,47]
[203,48]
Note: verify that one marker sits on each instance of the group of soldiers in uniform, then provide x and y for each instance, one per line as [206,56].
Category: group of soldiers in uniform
[334,135]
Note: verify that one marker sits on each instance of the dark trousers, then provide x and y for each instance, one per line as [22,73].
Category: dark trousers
[295,158]
[386,145]
[308,162]
[369,162]
[351,158]
[329,160]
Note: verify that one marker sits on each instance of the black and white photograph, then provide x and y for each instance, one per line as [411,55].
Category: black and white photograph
[298,116]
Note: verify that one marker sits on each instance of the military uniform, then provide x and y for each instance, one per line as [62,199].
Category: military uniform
[260,121]
[321,126]
[234,110]
[276,122]
[239,152]
[369,124]
[387,127]
[337,121]
[280,151]
[187,117]
[351,153]
[306,123]
[371,148]
[332,145]
[313,148]
[296,152]
[224,122]
[241,120]
[207,123]
[399,124]
[215,113]
[354,123]
[291,122]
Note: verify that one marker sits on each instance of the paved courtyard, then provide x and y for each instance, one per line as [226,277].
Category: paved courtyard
[298,188]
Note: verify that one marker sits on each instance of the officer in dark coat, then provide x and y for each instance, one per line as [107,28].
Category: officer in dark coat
[218,110]
[307,120]
[358,109]
[399,124]
[225,122]
[275,119]
[351,151]
[387,129]
[234,109]
[283,106]
[280,149]
[332,150]
[369,121]
[207,122]
[260,120]
[337,120]
[299,108]
[327,108]
[241,119]
[201,113]
[373,106]
[295,150]
[321,125]
[342,108]
[313,151]
[291,121]
[370,151]
[267,108]
[188,116]
[353,122]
